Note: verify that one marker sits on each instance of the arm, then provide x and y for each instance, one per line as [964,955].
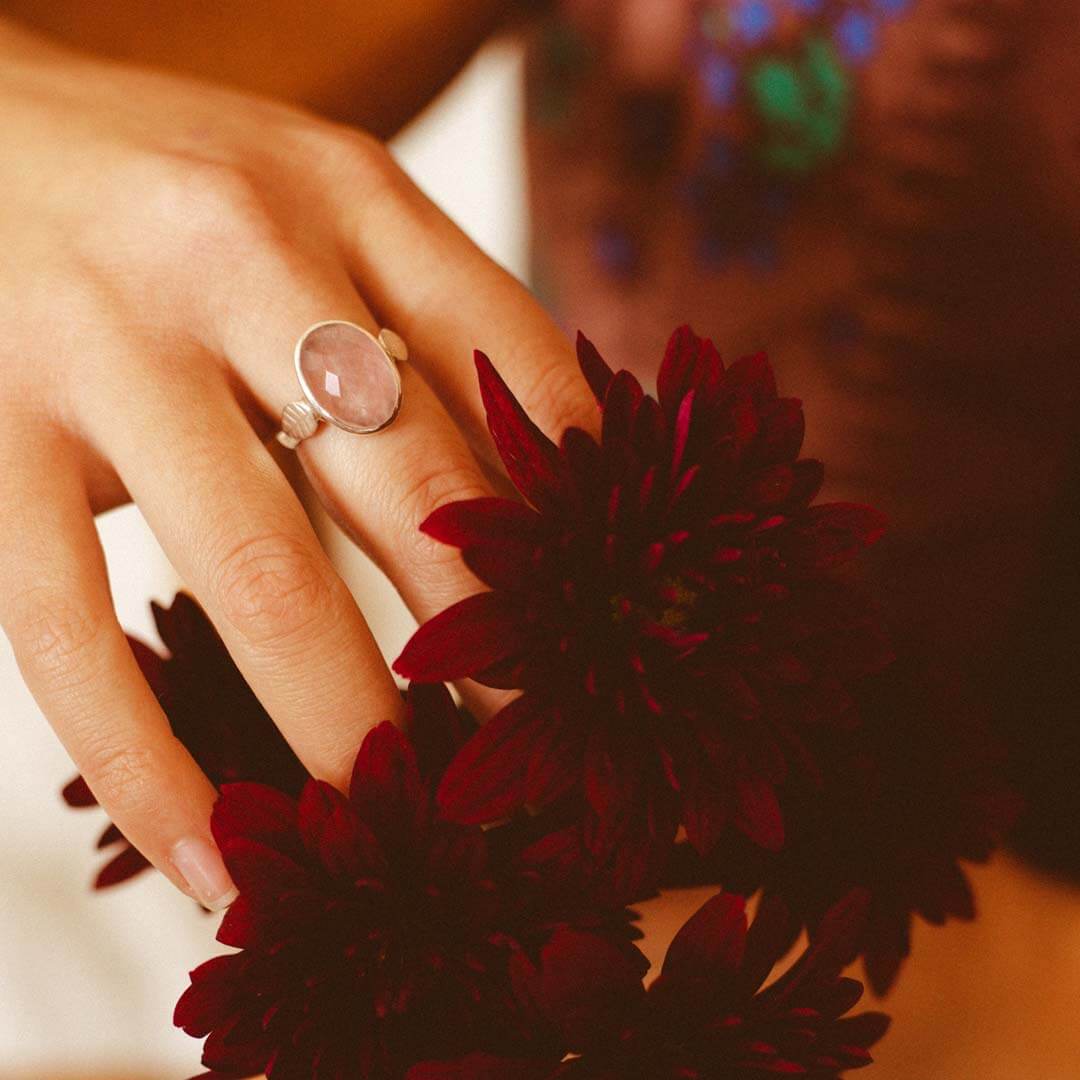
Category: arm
[373,63]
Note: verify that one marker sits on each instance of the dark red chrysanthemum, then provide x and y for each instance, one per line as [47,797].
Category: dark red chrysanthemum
[707,1017]
[902,803]
[667,603]
[374,934]
[211,710]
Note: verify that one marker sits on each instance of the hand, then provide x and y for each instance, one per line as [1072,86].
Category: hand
[165,243]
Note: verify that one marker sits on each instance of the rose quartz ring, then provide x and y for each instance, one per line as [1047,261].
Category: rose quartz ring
[349,378]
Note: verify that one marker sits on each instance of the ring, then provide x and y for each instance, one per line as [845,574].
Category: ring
[349,378]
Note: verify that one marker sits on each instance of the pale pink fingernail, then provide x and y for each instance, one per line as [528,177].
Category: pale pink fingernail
[200,864]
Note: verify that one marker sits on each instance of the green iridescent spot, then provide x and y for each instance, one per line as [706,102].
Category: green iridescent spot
[804,107]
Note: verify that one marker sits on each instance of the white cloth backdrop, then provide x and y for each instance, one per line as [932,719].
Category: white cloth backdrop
[87,982]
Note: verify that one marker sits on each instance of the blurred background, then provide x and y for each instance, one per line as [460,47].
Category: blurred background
[920,294]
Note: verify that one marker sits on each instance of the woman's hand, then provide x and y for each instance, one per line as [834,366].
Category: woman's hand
[164,244]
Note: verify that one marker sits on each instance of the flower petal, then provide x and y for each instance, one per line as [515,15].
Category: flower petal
[436,727]
[261,870]
[480,521]
[466,639]
[690,363]
[255,811]
[208,1000]
[386,787]
[583,984]
[772,933]
[594,367]
[711,943]
[78,794]
[487,779]
[332,832]
[126,865]
[624,398]
[758,813]
[530,457]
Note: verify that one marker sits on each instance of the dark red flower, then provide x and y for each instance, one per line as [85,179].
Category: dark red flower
[211,710]
[667,603]
[901,804]
[374,934]
[707,1016]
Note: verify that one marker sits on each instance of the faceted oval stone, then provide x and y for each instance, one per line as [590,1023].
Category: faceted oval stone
[348,377]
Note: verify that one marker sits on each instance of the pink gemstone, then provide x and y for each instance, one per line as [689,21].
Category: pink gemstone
[347,375]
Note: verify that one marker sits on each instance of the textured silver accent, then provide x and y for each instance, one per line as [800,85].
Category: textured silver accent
[298,422]
[395,348]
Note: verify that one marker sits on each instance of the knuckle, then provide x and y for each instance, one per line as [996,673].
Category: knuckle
[53,637]
[273,589]
[212,204]
[359,161]
[559,398]
[432,485]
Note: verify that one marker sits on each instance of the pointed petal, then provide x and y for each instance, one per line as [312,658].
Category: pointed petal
[78,794]
[126,865]
[555,763]
[334,835]
[152,666]
[436,727]
[753,375]
[479,521]
[208,1000]
[624,397]
[254,811]
[464,640]
[706,813]
[789,484]
[530,457]
[711,943]
[583,984]
[780,437]
[834,943]
[594,367]
[758,815]
[261,870]
[386,787]
[112,835]
[690,363]
[863,1030]
[487,779]
[771,935]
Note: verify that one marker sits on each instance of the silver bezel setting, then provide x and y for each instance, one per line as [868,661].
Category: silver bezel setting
[388,348]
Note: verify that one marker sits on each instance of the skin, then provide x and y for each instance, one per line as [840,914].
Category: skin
[373,64]
[166,241]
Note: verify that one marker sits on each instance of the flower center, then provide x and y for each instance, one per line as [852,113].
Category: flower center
[671,606]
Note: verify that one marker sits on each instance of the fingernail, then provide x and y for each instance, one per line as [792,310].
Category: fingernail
[200,864]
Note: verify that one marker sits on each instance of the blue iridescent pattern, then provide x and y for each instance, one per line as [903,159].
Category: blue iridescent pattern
[752,21]
[720,77]
[856,36]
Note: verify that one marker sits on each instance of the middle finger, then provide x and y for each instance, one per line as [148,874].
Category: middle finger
[379,487]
